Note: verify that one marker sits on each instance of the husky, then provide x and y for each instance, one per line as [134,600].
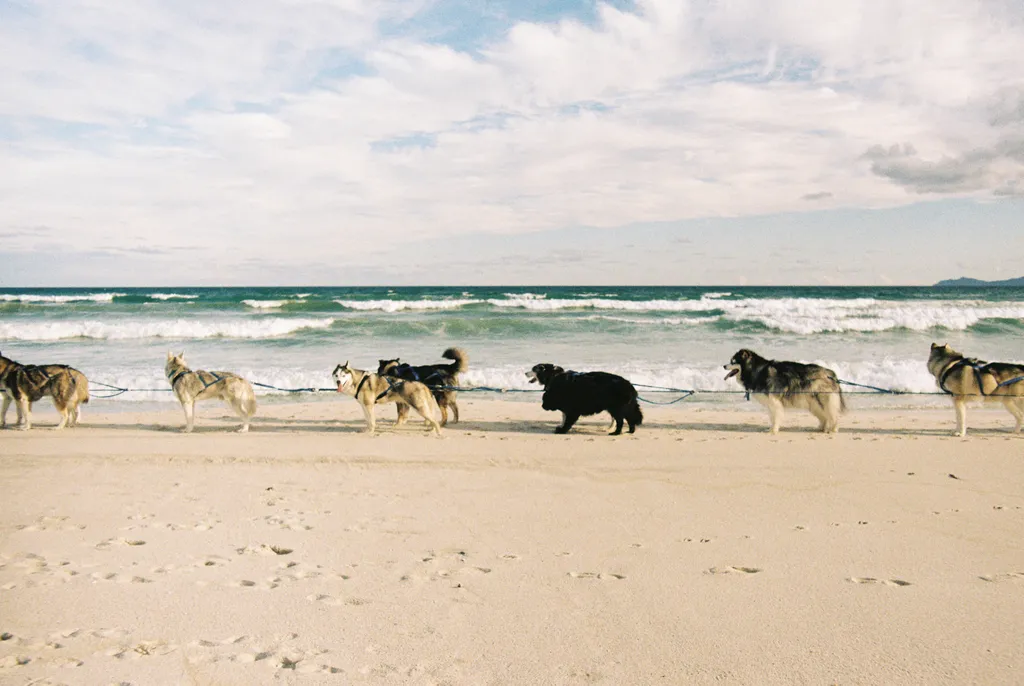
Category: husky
[967,379]
[578,394]
[370,389]
[24,384]
[778,385]
[434,376]
[190,386]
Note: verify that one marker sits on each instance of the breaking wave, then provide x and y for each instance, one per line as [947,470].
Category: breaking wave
[267,327]
[399,305]
[83,297]
[172,296]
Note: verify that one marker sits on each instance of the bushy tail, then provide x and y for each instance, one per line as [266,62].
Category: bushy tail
[460,357]
[249,401]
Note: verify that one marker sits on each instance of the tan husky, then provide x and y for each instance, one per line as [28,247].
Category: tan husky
[190,386]
[968,379]
[26,383]
[370,389]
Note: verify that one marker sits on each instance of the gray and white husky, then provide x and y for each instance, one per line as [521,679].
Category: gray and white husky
[968,379]
[369,389]
[192,385]
[778,385]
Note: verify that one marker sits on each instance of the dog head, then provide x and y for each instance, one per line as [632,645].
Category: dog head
[740,361]
[175,362]
[383,366]
[940,356]
[543,373]
[343,377]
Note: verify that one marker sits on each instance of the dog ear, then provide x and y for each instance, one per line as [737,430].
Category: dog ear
[935,346]
[170,356]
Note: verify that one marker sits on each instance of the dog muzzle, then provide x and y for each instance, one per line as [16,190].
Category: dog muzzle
[531,376]
[733,371]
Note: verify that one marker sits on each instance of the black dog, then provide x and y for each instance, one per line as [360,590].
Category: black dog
[440,378]
[579,394]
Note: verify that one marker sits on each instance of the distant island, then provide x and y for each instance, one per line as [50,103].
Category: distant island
[977,283]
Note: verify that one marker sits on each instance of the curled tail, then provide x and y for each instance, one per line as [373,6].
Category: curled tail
[460,357]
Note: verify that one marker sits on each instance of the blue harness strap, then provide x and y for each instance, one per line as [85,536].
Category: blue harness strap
[406,371]
[391,386]
[199,375]
[978,368]
[1010,382]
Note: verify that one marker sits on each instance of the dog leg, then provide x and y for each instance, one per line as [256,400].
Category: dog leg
[567,421]
[24,414]
[960,405]
[775,413]
[239,408]
[1016,408]
[444,412]
[427,412]
[820,412]
[371,420]
[455,410]
[617,419]
[7,404]
[403,413]
[190,412]
[76,416]
[62,409]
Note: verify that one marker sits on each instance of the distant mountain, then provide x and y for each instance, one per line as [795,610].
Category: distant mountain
[977,283]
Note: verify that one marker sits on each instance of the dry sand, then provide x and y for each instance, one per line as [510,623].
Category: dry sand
[699,550]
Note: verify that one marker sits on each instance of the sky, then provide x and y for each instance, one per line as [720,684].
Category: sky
[487,142]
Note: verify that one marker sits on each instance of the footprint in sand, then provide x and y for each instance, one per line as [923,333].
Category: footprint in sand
[884,582]
[111,542]
[1005,576]
[603,576]
[51,523]
[263,549]
[733,570]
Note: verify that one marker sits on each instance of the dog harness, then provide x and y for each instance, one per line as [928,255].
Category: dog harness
[408,372]
[30,370]
[366,377]
[177,377]
[391,386]
[978,366]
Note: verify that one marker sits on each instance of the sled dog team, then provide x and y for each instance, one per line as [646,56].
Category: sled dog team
[430,389]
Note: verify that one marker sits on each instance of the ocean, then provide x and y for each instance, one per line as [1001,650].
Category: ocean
[674,337]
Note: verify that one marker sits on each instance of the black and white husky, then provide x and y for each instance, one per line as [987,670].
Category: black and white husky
[778,385]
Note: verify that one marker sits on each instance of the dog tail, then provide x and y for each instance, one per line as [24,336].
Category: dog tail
[82,387]
[460,357]
[249,401]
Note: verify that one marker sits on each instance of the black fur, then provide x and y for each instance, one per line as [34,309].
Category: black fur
[439,378]
[578,394]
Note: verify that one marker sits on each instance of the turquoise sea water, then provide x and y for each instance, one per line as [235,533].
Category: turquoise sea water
[667,336]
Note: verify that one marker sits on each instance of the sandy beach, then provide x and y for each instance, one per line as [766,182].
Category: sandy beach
[700,550]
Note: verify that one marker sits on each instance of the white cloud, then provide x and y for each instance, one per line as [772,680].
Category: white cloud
[288,130]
